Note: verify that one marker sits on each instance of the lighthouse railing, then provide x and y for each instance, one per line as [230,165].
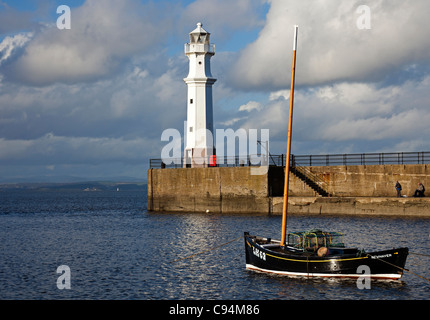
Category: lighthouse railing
[199,47]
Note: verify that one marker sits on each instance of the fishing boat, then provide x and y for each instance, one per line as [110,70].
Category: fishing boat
[317,253]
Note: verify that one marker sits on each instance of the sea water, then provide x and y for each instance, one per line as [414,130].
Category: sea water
[115,249]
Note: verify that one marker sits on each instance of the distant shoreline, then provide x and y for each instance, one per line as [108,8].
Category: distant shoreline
[88,186]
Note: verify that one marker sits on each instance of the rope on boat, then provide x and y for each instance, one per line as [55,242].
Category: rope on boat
[420,254]
[393,265]
[195,254]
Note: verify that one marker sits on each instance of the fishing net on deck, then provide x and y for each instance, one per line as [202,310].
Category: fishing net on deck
[314,239]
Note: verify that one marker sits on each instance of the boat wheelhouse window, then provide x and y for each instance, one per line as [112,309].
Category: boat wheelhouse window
[315,239]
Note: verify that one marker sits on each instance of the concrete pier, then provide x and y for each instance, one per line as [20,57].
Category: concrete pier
[225,190]
[381,206]
[356,190]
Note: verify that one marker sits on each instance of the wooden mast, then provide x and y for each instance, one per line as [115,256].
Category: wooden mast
[290,127]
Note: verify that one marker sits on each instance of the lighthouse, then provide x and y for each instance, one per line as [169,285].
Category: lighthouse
[199,128]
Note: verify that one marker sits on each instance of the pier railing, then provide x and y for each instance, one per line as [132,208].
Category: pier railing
[311,160]
[227,161]
[363,159]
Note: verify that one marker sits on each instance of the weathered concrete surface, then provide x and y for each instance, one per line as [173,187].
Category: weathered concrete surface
[374,180]
[362,189]
[231,190]
[388,206]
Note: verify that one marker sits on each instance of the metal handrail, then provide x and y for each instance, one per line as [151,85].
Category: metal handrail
[364,159]
[315,178]
[310,175]
[317,160]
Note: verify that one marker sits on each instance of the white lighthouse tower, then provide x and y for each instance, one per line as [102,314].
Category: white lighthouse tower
[200,143]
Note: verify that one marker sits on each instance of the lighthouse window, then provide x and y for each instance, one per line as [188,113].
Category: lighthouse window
[191,100]
[200,62]
[191,129]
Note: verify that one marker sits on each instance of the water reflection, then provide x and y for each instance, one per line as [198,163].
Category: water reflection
[117,251]
[217,269]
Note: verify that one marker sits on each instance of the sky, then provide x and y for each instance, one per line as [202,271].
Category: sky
[92,102]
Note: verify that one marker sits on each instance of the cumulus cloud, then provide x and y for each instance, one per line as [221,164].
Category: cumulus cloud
[106,89]
[330,45]
[224,16]
[350,117]
[107,33]
[251,105]
[131,104]
[358,90]
[103,35]
[112,124]
[386,113]
[11,44]
[96,98]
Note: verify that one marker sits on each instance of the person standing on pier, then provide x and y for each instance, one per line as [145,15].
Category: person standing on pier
[399,189]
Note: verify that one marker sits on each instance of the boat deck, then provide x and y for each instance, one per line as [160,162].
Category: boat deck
[332,251]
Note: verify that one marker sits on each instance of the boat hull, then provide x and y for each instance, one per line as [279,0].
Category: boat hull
[387,264]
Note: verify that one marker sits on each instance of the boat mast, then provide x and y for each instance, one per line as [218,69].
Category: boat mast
[290,127]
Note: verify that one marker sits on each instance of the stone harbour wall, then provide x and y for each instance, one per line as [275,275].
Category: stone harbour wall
[368,206]
[354,189]
[374,180]
[231,190]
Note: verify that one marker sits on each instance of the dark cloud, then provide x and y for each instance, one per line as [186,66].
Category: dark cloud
[104,35]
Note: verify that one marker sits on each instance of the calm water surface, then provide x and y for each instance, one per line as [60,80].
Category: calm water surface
[117,250]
